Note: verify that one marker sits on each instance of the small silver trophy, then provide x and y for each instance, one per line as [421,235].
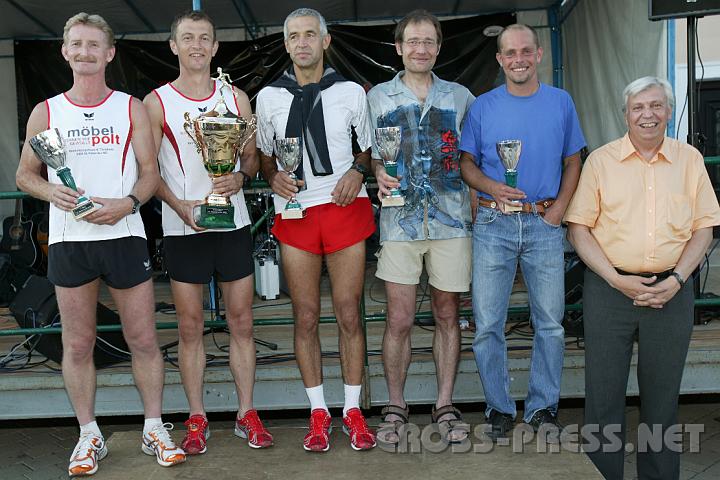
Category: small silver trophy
[50,149]
[289,154]
[509,153]
[388,140]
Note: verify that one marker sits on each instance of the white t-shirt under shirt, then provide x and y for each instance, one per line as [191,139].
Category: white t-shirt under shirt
[181,166]
[344,107]
[100,156]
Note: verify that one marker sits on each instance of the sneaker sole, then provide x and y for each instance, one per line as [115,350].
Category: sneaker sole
[241,433]
[307,449]
[358,449]
[101,454]
[150,451]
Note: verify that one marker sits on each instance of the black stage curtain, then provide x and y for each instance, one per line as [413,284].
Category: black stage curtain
[364,54]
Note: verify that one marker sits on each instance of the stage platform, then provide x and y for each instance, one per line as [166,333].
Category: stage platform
[38,392]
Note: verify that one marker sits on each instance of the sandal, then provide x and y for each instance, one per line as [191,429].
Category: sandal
[393,427]
[450,425]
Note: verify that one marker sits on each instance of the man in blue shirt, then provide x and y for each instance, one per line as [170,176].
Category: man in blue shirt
[432,228]
[544,119]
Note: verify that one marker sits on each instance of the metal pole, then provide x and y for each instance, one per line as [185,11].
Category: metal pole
[692,107]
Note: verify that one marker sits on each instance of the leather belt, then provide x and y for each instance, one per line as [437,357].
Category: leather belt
[660,276]
[526,207]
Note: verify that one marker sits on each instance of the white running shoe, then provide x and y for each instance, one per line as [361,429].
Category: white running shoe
[158,442]
[88,452]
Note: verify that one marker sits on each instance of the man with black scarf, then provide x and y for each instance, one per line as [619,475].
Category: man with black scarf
[312,102]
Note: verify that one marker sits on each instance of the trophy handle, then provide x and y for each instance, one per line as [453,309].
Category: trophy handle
[247,139]
[187,127]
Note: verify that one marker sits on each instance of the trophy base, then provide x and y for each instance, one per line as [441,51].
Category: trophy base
[511,207]
[293,214]
[393,201]
[214,216]
[83,209]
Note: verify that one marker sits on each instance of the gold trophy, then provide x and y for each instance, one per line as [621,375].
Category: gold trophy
[509,153]
[220,136]
[50,149]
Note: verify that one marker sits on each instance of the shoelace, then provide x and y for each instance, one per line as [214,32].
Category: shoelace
[317,421]
[162,435]
[253,422]
[359,425]
[84,444]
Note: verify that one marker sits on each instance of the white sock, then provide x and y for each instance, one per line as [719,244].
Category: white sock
[151,423]
[91,427]
[316,397]
[352,397]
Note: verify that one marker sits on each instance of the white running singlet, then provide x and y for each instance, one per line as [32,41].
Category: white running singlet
[181,166]
[102,162]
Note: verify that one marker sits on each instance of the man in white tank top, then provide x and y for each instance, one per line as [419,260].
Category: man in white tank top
[193,255]
[110,150]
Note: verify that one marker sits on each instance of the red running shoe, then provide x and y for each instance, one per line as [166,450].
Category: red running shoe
[195,441]
[251,427]
[318,436]
[354,424]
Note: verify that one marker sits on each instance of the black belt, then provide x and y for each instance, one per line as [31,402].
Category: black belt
[660,276]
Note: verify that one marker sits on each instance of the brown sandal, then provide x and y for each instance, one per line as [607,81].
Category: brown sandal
[392,427]
[450,425]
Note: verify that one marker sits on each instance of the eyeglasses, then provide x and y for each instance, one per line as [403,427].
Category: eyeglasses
[510,54]
[415,43]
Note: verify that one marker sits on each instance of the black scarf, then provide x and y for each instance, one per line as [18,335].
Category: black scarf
[306,118]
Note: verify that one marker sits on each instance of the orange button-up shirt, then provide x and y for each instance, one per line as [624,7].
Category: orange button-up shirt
[642,213]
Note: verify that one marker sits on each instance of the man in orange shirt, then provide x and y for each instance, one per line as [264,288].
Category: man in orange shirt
[641,219]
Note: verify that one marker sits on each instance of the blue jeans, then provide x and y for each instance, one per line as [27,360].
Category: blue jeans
[499,242]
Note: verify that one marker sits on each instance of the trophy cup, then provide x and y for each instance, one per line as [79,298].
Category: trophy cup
[289,153]
[388,140]
[49,148]
[509,153]
[220,137]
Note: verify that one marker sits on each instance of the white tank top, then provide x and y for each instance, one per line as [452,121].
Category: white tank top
[102,162]
[181,166]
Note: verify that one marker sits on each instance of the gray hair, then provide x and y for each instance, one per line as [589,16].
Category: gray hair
[306,12]
[644,83]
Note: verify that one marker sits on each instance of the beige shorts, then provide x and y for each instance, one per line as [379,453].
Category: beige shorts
[448,263]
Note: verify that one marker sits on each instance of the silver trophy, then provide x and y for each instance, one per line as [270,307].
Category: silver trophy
[509,153]
[50,149]
[388,140]
[289,154]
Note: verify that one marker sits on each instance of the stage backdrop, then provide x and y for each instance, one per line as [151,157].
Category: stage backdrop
[364,54]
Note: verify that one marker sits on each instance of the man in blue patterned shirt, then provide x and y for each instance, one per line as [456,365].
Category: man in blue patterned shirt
[432,227]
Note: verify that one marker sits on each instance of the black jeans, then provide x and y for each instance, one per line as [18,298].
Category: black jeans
[610,322]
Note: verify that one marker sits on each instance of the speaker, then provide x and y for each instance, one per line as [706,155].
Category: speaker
[35,306]
[662,9]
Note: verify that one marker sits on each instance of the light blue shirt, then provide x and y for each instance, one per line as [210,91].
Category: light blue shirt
[428,162]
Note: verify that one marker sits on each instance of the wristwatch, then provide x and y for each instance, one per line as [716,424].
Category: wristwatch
[246,178]
[136,204]
[678,278]
[360,168]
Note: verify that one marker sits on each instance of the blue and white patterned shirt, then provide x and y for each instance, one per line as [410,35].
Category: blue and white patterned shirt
[437,204]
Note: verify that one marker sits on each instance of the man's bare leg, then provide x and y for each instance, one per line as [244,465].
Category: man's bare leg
[78,310]
[136,306]
[446,349]
[397,346]
[238,296]
[302,272]
[191,350]
[347,275]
